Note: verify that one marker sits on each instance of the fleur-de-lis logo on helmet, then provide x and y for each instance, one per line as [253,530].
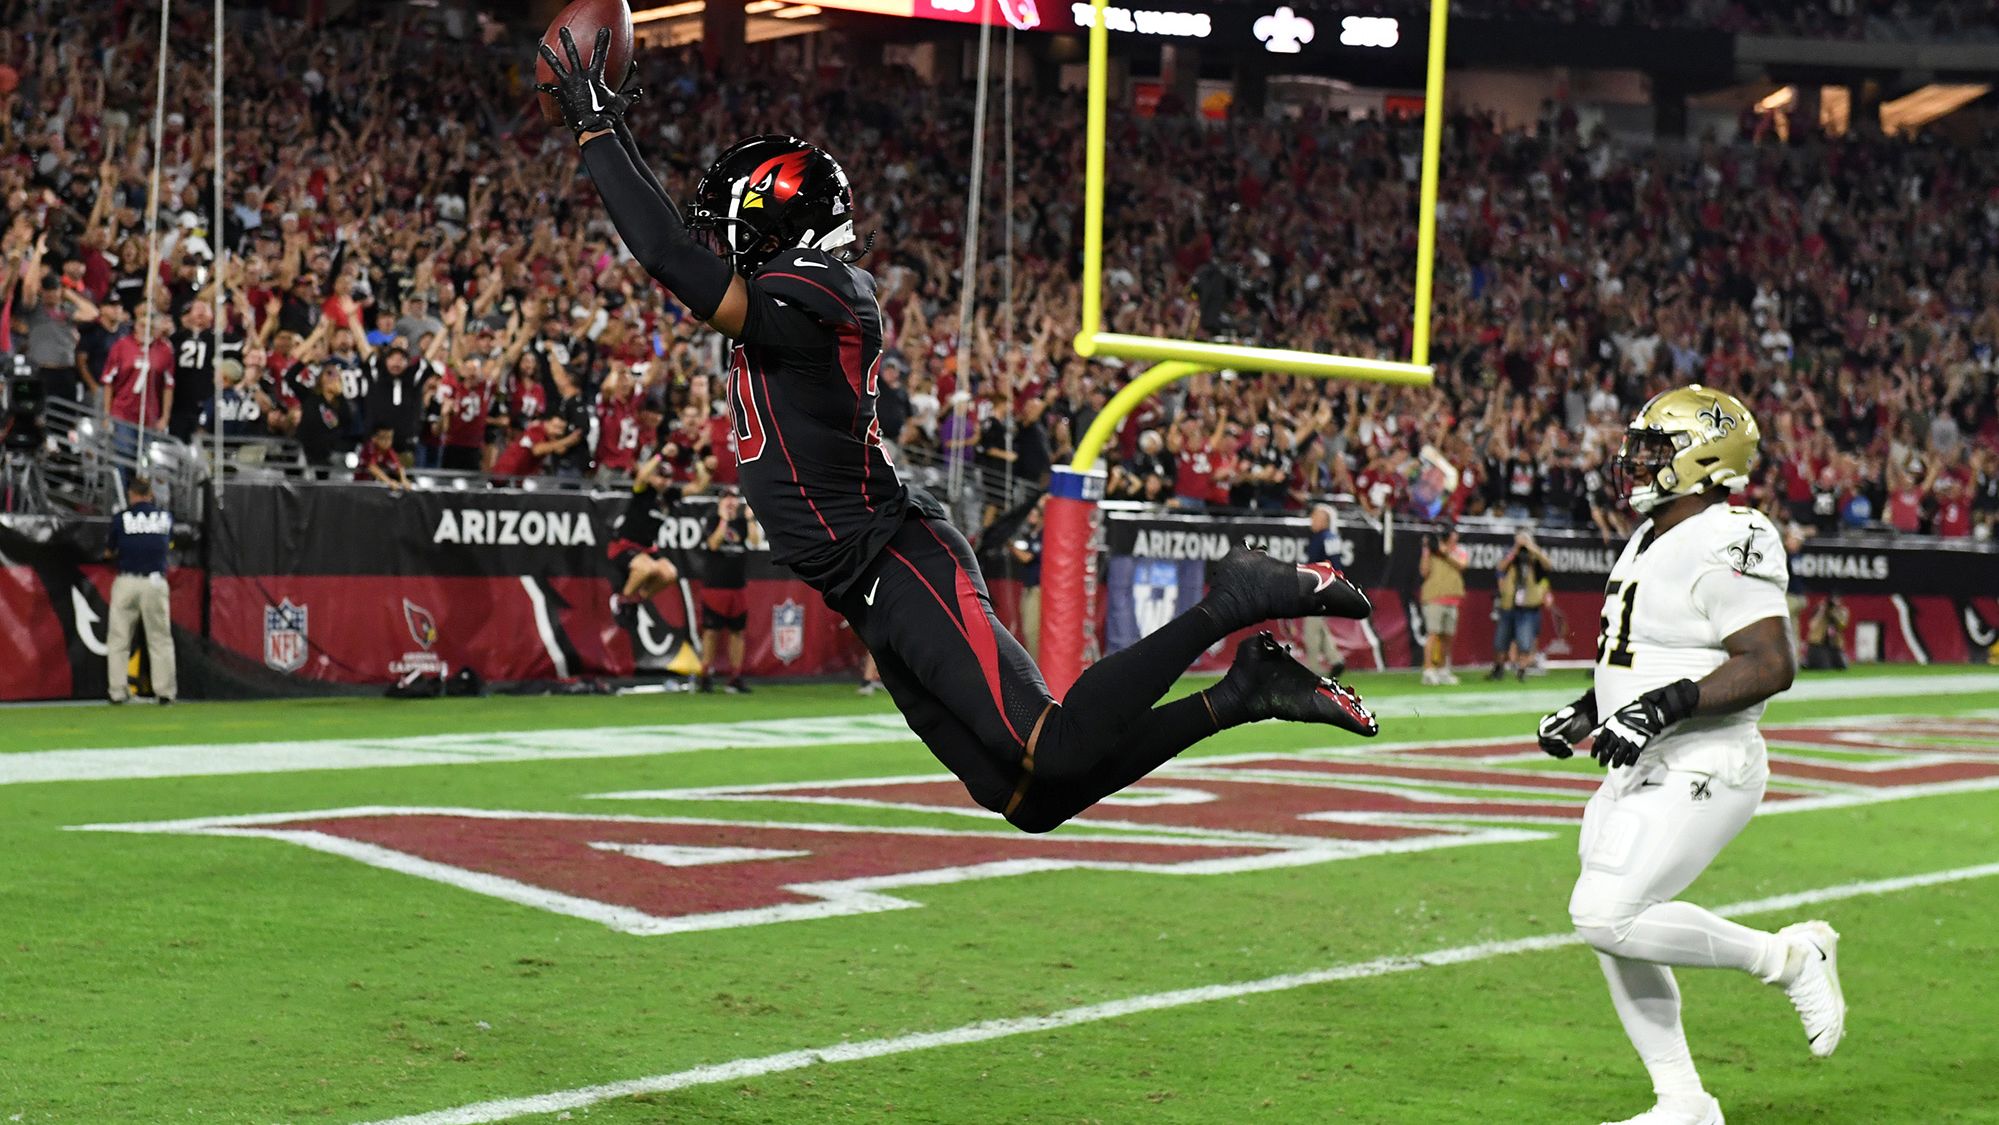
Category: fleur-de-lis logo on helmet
[1719,420]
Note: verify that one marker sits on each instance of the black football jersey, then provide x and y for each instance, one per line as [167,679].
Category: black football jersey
[645,514]
[802,388]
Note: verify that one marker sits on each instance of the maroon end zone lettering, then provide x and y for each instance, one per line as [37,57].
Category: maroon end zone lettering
[1274,807]
[662,875]
[658,876]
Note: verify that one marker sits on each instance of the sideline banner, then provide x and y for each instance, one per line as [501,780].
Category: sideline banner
[55,609]
[353,584]
[358,584]
[1933,602]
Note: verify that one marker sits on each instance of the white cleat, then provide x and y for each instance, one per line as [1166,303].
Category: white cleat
[1681,1111]
[1815,993]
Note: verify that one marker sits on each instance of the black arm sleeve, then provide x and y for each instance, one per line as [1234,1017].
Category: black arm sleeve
[653,232]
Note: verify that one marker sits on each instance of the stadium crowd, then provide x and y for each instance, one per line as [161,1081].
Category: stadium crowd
[419,278]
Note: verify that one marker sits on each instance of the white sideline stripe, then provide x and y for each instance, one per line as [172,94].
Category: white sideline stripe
[1435,703]
[480,1113]
[201,760]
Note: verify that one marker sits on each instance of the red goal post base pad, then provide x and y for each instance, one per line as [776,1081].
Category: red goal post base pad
[1068,574]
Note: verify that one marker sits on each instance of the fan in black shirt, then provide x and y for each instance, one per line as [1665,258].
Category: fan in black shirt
[638,571]
[324,417]
[803,385]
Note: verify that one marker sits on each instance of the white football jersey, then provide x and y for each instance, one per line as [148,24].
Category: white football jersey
[1671,602]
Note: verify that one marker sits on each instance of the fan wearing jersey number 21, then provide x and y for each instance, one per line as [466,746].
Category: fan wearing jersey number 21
[1696,637]
[780,281]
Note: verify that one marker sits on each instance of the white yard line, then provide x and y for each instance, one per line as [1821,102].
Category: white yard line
[199,760]
[738,1070]
[1442,702]
[443,750]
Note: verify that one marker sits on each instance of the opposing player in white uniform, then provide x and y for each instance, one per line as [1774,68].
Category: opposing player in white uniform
[1696,637]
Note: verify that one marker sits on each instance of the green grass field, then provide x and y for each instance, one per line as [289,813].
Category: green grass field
[231,913]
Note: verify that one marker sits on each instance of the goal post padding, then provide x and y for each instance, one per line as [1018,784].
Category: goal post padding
[1068,574]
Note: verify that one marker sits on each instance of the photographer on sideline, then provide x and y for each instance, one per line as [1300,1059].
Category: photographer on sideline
[1523,590]
[1825,635]
[1443,571]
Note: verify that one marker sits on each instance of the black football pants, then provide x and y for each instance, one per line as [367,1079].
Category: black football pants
[977,700]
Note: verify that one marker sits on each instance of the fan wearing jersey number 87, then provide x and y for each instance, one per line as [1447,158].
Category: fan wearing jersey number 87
[1696,637]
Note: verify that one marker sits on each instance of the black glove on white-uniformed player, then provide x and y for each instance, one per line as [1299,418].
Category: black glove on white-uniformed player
[1625,733]
[1561,731]
[587,102]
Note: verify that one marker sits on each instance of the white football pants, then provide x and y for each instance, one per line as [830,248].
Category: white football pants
[1639,850]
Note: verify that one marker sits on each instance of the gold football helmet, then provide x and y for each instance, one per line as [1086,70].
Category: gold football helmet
[1683,443]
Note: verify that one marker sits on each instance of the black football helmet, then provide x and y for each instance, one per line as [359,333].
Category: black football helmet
[773,193]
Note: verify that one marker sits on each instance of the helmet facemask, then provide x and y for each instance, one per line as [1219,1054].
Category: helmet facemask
[1643,470]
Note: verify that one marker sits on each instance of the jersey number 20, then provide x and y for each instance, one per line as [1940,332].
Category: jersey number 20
[1613,643]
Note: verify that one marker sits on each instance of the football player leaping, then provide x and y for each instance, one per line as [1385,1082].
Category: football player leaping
[803,391]
[1696,637]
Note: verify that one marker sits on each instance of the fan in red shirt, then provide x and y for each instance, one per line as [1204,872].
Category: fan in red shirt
[685,440]
[1223,458]
[1953,514]
[1904,510]
[136,377]
[721,433]
[527,396]
[1380,486]
[379,461]
[1193,474]
[618,436]
[523,455]
[465,398]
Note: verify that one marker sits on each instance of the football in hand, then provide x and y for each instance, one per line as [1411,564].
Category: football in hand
[583,18]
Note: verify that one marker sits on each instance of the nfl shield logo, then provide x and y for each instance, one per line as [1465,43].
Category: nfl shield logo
[284,636]
[787,630]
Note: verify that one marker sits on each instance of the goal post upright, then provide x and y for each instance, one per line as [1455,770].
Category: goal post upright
[1068,609]
[1426,199]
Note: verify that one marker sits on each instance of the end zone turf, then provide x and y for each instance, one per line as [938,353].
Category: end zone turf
[198,963]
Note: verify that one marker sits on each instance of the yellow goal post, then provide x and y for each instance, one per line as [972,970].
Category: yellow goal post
[1068,605]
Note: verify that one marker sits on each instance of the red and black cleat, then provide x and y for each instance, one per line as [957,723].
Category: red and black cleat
[1267,683]
[1249,587]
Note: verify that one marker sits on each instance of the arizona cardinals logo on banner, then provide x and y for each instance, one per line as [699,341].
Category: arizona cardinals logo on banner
[423,626]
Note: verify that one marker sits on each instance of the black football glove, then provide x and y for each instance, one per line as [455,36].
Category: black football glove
[588,103]
[1562,730]
[1625,733]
